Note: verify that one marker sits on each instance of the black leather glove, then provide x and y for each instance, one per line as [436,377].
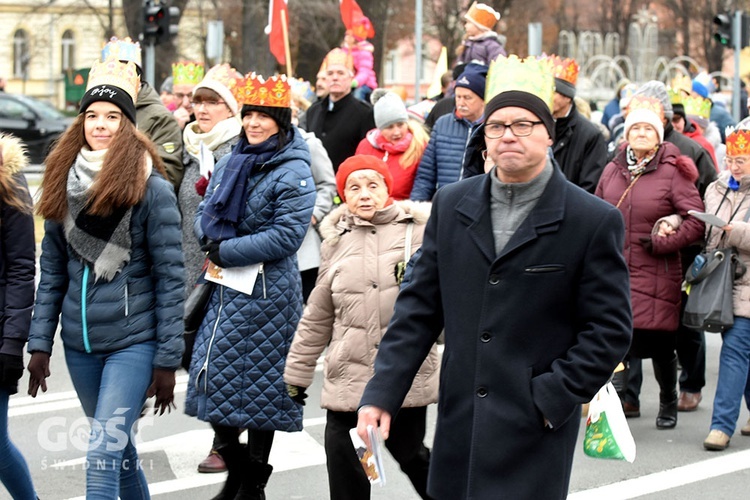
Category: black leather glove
[297,393]
[12,370]
[212,251]
[38,372]
[162,386]
[647,243]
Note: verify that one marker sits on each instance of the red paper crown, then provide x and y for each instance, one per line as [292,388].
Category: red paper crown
[652,104]
[565,69]
[738,143]
[254,90]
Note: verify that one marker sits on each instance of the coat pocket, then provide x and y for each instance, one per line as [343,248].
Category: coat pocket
[545,268]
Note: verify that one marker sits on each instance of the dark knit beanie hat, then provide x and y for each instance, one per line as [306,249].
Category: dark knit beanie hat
[565,88]
[525,100]
[282,116]
[473,78]
[109,93]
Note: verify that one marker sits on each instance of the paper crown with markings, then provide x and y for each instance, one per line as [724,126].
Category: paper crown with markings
[530,75]
[738,138]
[697,106]
[337,57]
[123,49]
[115,73]
[254,90]
[187,73]
[565,69]
[640,101]
[222,79]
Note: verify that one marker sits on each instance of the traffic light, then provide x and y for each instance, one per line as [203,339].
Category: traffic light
[159,21]
[154,16]
[723,33]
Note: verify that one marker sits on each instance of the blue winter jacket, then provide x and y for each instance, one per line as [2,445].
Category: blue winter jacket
[443,156]
[236,373]
[143,302]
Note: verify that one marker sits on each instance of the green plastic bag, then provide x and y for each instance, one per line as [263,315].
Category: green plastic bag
[607,433]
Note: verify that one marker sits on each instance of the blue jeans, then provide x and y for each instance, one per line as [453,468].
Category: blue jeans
[112,389]
[14,473]
[734,361]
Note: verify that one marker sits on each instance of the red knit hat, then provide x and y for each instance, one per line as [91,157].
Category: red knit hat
[362,162]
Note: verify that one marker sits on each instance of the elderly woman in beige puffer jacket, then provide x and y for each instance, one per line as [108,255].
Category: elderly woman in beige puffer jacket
[362,258]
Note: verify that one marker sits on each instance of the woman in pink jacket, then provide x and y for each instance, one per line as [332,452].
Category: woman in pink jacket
[653,186]
[397,140]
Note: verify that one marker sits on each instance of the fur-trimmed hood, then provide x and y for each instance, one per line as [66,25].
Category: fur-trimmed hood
[15,158]
[340,220]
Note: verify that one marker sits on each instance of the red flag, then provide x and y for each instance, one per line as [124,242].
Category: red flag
[352,16]
[277,25]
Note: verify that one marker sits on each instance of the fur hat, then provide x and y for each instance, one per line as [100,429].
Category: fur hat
[642,115]
[388,108]
[657,89]
[362,162]
[482,16]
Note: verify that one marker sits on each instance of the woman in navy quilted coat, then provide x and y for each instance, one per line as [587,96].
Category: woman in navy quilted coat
[256,211]
[111,276]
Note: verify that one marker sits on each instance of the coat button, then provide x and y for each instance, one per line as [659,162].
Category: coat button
[374,231]
[482,392]
[377,345]
[374,285]
[485,337]
[494,279]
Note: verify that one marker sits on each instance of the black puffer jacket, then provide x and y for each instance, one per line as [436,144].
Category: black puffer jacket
[17,267]
[580,150]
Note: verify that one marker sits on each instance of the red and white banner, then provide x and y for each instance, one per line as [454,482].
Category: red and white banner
[278,19]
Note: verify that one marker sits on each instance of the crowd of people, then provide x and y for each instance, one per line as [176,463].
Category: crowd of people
[363,231]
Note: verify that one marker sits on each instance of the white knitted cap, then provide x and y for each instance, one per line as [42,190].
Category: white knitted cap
[642,115]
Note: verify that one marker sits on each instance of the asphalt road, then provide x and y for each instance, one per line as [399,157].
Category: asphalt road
[669,464]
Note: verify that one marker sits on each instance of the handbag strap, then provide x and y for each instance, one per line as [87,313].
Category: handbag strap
[632,183]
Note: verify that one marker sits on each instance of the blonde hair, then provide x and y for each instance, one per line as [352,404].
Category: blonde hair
[413,153]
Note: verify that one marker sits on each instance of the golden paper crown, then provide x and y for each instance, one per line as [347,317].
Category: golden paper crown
[675,96]
[640,101]
[115,73]
[338,57]
[254,90]
[697,106]
[530,75]
[223,74]
[565,69]
[482,15]
[682,83]
[738,142]
[122,49]
[187,73]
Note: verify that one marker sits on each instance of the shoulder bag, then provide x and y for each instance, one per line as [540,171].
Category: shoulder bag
[710,284]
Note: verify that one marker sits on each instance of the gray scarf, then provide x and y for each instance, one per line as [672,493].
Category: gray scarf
[102,241]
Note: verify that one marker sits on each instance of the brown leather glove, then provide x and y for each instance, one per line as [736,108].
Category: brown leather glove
[162,386]
[38,372]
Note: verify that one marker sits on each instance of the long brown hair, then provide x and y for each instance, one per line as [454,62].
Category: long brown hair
[120,183]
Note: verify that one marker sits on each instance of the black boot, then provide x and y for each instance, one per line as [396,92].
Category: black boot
[254,481]
[235,458]
[665,371]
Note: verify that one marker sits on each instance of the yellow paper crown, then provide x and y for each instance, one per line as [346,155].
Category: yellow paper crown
[565,69]
[115,73]
[738,142]
[338,57]
[223,74]
[652,104]
[530,75]
[122,49]
[187,73]
[697,106]
[254,90]
[682,83]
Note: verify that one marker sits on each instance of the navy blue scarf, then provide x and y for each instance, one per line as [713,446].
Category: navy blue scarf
[224,209]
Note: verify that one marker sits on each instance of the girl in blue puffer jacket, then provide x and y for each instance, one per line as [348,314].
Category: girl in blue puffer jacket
[112,274]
